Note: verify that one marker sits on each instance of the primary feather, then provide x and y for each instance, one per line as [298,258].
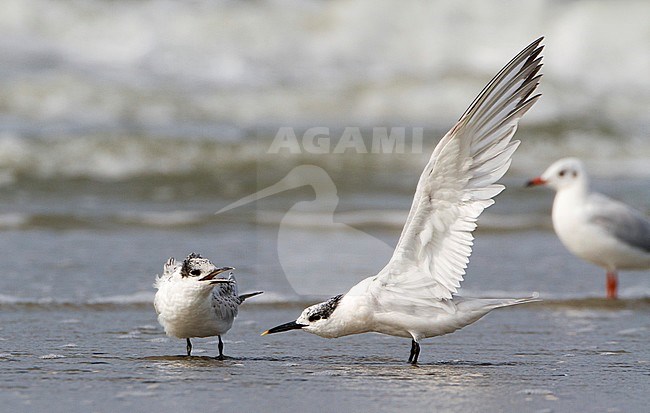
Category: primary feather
[414,294]
[458,183]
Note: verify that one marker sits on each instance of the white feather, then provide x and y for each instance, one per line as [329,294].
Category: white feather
[458,184]
[412,296]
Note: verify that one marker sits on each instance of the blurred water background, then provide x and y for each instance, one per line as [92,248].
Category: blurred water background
[125,125]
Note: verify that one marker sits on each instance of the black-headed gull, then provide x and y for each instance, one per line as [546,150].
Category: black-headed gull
[192,302]
[413,295]
[594,227]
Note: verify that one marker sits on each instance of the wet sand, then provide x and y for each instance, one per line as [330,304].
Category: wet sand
[562,356]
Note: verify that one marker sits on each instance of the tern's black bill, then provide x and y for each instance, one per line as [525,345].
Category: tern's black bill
[214,273]
[292,325]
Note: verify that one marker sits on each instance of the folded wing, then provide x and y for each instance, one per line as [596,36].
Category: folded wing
[624,223]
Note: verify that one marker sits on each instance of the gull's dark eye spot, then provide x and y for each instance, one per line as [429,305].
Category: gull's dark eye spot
[195,272]
[562,172]
[315,317]
[575,174]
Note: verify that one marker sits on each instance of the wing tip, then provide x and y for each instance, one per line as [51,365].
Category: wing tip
[525,68]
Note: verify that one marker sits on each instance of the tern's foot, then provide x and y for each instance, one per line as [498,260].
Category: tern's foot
[220,357]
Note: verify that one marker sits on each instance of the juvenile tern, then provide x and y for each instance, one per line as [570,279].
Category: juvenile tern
[413,296]
[192,302]
[594,227]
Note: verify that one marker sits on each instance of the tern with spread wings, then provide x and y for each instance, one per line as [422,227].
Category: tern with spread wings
[413,296]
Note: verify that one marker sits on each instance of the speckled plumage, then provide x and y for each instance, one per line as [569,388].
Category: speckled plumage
[192,302]
[323,310]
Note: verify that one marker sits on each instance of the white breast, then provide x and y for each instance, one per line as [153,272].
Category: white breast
[587,239]
[187,310]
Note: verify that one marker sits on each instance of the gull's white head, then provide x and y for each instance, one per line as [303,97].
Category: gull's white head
[562,174]
[315,319]
[194,269]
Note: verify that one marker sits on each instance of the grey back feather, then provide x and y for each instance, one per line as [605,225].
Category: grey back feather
[623,222]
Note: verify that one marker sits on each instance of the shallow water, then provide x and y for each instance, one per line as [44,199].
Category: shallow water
[124,126]
[540,357]
[78,331]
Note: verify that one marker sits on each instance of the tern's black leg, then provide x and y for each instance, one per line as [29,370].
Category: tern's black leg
[189,347]
[412,350]
[220,349]
[415,352]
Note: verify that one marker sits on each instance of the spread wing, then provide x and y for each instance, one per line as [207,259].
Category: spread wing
[458,183]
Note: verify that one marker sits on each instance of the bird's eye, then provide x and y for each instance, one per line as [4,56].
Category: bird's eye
[195,272]
[562,172]
[314,318]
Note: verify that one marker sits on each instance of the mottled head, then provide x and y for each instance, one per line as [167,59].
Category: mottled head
[313,319]
[202,269]
[564,173]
